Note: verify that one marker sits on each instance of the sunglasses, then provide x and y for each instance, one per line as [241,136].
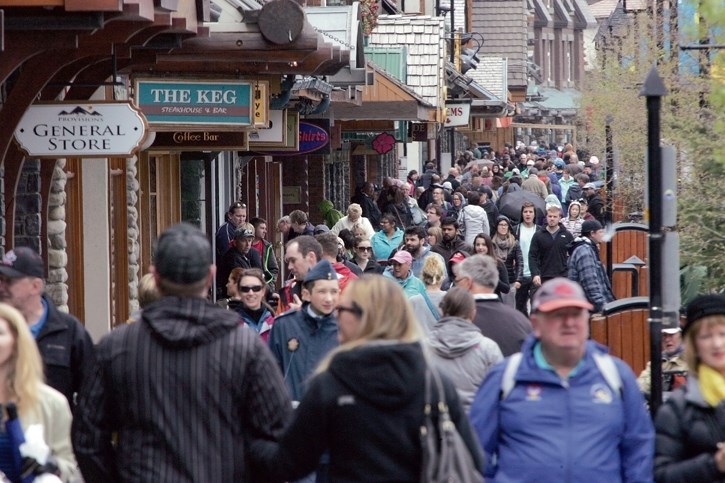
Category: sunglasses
[250,288]
[365,249]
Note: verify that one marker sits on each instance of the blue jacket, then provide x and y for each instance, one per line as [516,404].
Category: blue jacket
[411,285]
[382,247]
[299,342]
[549,430]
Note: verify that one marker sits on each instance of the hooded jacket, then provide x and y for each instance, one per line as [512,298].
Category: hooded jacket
[688,431]
[573,226]
[183,388]
[366,409]
[585,268]
[463,354]
[572,431]
[473,220]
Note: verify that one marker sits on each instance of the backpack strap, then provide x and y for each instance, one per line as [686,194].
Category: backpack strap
[605,365]
[508,381]
[609,371]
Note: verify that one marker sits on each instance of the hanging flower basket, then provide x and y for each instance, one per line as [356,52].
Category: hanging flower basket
[368,16]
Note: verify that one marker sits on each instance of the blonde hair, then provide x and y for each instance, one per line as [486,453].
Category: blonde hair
[433,270]
[147,290]
[26,372]
[691,356]
[385,315]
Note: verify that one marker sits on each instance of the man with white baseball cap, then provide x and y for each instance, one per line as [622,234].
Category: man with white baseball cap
[674,366]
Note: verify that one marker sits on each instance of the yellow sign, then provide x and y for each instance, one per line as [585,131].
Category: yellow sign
[260,104]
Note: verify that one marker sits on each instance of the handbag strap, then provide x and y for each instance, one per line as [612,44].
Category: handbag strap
[432,377]
[431,307]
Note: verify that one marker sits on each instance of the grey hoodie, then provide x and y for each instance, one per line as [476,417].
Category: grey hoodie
[463,354]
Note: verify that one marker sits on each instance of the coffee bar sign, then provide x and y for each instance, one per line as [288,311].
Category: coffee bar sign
[97,130]
[215,104]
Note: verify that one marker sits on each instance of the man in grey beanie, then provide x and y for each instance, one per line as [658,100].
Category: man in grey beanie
[183,390]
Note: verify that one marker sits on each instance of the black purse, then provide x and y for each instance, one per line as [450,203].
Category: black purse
[446,458]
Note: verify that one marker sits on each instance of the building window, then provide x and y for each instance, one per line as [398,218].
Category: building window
[569,62]
[549,48]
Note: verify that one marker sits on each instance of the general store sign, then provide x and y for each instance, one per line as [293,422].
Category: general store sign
[171,104]
[457,113]
[62,129]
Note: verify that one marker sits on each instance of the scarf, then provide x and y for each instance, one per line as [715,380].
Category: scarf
[502,246]
[712,385]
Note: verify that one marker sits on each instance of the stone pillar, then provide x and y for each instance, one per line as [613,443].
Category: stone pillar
[134,254]
[27,206]
[57,287]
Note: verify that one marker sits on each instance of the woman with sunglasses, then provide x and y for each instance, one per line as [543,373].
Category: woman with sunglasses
[364,258]
[251,304]
[365,403]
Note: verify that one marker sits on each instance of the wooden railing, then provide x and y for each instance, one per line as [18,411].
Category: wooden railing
[623,328]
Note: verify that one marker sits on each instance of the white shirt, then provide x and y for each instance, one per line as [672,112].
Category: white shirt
[525,236]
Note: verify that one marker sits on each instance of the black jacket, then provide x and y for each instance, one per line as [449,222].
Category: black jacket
[182,389]
[548,255]
[366,410]
[232,259]
[66,350]
[688,431]
[370,209]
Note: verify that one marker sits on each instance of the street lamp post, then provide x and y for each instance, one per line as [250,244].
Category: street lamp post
[654,89]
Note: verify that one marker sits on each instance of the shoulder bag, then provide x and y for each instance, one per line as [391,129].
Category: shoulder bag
[446,458]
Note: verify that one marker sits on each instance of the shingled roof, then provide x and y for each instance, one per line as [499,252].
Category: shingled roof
[503,25]
[423,39]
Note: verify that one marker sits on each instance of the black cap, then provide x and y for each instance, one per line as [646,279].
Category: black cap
[183,254]
[590,226]
[322,271]
[22,262]
[703,306]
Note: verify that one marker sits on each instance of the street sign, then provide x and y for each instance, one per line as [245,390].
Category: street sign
[201,141]
[457,113]
[62,129]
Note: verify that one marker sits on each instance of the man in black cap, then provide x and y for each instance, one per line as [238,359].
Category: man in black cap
[301,338]
[239,255]
[585,266]
[183,390]
[64,344]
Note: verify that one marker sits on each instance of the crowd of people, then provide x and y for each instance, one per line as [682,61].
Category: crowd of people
[324,378]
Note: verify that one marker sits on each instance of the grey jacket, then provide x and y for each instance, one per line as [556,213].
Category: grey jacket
[473,220]
[463,354]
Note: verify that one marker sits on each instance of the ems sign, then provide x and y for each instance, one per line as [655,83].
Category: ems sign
[98,130]
[457,114]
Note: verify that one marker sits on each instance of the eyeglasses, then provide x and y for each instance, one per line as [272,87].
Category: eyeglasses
[252,288]
[355,309]
[365,249]
[238,204]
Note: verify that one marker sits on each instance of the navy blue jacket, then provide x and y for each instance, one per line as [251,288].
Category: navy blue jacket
[299,342]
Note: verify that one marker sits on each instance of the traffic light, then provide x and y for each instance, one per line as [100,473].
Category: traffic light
[469,59]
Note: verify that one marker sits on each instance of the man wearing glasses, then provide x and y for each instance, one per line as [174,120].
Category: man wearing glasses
[236,216]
